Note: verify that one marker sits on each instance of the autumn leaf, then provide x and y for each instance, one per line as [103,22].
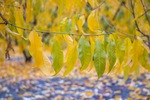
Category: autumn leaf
[40,60]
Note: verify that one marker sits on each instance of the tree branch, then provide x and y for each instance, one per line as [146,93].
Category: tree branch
[5,20]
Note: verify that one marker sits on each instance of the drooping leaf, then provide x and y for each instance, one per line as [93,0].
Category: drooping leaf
[19,21]
[111,54]
[57,55]
[71,58]
[92,43]
[29,11]
[128,54]
[120,49]
[93,22]
[126,72]
[99,58]
[84,53]
[80,23]
[40,60]
[144,60]
[137,52]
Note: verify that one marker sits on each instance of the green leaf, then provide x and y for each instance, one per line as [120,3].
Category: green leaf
[126,72]
[57,55]
[111,54]
[71,58]
[144,60]
[99,58]
[84,53]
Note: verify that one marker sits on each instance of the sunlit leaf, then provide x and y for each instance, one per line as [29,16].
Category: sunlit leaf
[71,58]
[80,23]
[84,53]
[57,55]
[111,54]
[99,58]
[93,22]
[40,60]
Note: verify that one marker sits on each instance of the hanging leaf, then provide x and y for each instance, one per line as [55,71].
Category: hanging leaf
[80,23]
[92,43]
[126,72]
[29,11]
[99,58]
[128,54]
[84,53]
[71,58]
[19,19]
[40,60]
[144,60]
[137,52]
[93,22]
[57,55]
[111,54]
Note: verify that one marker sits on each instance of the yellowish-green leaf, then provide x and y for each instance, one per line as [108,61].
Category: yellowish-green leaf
[80,23]
[137,51]
[19,19]
[111,54]
[71,58]
[93,22]
[40,60]
[144,60]
[84,53]
[126,72]
[99,58]
[57,55]
[3,45]
[29,11]
[128,54]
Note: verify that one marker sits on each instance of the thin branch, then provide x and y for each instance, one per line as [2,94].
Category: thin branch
[145,12]
[5,20]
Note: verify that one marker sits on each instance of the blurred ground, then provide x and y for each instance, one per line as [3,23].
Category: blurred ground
[20,81]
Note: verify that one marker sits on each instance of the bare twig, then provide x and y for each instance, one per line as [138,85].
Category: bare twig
[5,20]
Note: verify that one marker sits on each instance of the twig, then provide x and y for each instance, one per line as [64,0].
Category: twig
[5,20]
[145,12]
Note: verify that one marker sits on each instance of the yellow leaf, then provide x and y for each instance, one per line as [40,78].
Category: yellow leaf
[80,23]
[19,19]
[29,11]
[71,58]
[40,60]
[93,22]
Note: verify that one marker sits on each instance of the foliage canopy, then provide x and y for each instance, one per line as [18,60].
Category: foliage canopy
[110,35]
